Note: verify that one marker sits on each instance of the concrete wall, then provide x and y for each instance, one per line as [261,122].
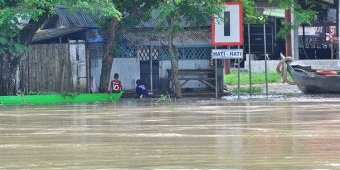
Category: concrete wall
[128,70]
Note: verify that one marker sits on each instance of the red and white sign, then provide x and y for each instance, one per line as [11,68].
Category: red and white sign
[227,29]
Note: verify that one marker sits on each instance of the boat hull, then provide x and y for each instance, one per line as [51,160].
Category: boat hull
[310,82]
[60,98]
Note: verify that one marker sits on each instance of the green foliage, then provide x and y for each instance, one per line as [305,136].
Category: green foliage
[104,8]
[256,78]
[9,43]
[3,41]
[285,30]
[304,16]
[19,48]
[250,15]
[174,15]
[14,16]
[302,10]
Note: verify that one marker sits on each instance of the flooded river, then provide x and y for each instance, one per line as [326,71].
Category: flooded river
[255,133]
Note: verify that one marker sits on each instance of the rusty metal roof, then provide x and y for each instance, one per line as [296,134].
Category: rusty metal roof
[199,37]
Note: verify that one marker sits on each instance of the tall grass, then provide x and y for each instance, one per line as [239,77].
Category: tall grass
[256,78]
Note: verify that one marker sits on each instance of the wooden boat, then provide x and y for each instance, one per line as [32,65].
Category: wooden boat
[60,98]
[310,80]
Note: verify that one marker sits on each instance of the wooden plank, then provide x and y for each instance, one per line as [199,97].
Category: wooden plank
[68,83]
[47,69]
[196,78]
[56,67]
[34,69]
[196,72]
[208,84]
[42,58]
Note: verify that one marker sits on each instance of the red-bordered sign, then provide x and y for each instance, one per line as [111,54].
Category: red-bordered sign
[229,31]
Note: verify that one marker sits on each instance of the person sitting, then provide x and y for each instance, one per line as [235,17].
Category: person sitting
[116,85]
[141,90]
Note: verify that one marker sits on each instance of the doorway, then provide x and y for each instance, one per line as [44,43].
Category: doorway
[149,60]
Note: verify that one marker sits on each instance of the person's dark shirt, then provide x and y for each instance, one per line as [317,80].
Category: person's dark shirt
[141,90]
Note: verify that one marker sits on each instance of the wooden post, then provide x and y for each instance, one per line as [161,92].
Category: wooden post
[151,69]
[226,66]
[338,27]
[288,36]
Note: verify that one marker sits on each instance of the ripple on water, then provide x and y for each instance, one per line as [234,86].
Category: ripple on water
[284,98]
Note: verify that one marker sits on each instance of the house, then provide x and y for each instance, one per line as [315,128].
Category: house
[59,58]
[143,45]
[141,50]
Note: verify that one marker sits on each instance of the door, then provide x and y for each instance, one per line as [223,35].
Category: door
[78,62]
[149,60]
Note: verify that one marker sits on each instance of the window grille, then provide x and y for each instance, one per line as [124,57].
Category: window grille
[161,53]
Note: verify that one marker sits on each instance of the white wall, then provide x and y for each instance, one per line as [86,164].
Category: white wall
[128,70]
[259,65]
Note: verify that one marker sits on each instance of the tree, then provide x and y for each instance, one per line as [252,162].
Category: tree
[19,21]
[303,11]
[15,36]
[133,10]
[175,14]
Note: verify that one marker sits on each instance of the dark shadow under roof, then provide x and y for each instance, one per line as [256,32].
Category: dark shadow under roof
[42,35]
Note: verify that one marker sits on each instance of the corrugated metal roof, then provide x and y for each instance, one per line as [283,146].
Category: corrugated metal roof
[200,37]
[71,19]
[152,23]
[51,22]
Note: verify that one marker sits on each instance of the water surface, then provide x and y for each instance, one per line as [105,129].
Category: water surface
[260,133]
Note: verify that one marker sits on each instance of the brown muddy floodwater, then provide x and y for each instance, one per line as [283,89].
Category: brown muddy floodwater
[255,133]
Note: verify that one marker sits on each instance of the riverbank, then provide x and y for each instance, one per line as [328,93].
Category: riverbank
[273,89]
